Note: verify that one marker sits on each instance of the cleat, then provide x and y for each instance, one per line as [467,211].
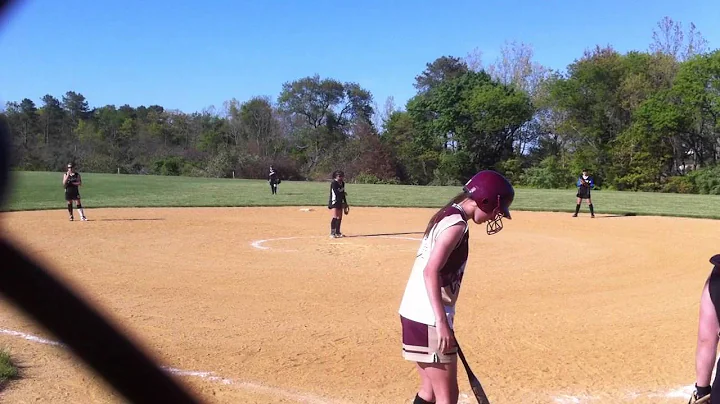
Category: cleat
[83,218]
[71,218]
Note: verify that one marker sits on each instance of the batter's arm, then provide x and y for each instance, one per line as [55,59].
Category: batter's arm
[444,244]
[707,339]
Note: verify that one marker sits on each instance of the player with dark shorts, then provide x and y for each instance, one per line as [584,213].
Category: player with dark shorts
[337,203]
[427,308]
[72,182]
[274,180]
[707,340]
[584,184]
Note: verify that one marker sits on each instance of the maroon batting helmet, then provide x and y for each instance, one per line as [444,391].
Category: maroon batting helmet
[494,194]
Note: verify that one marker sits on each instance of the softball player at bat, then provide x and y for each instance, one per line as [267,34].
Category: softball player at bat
[427,308]
[337,203]
[707,340]
[72,182]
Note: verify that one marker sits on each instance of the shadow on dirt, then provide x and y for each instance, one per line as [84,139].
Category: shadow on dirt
[386,234]
[121,220]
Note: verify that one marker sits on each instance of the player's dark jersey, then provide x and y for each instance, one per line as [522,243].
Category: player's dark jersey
[72,180]
[337,194]
[273,178]
[71,189]
[584,186]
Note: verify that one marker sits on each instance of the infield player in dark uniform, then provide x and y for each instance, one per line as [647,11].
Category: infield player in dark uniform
[72,182]
[274,180]
[584,184]
[337,203]
[707,340]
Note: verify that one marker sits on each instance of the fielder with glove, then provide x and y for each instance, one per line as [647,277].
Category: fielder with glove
[707,341]
[337,203]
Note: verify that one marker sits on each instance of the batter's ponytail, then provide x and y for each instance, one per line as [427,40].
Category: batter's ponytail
[440,213]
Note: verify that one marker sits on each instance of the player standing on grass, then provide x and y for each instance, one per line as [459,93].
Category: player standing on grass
[72,182]
[427,308]
[337,203]
[274,180]
[707,340]
[584,184]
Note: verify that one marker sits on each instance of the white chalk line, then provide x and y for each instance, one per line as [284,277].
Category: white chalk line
[680,392]
[259,244]
[31,338]
[209,376]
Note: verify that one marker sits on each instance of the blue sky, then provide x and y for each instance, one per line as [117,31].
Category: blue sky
[191,55]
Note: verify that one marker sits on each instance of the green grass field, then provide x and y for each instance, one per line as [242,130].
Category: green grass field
[43,190]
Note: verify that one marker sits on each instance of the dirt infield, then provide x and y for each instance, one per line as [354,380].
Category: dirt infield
[258,305]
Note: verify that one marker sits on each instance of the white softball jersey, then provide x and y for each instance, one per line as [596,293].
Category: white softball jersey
[415,304]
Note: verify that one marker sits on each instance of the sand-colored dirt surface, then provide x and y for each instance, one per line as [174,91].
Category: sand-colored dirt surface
[553,309]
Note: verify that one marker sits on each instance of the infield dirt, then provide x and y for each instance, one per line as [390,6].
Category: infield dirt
[553,309]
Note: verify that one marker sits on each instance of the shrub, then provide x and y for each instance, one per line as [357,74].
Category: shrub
[706,180]
[171,165]
[679,185]
[511,169]
[369,178]
[548,174]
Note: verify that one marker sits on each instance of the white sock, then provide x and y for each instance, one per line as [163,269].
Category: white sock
[82,214]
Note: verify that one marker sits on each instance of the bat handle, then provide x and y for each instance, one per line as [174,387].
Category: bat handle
[474,382]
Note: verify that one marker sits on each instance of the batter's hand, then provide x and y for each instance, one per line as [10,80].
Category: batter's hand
[446,339]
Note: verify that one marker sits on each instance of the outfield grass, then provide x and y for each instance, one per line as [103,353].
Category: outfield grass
[7,369]
[43,190]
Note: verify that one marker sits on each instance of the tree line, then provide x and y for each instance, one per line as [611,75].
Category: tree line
[644,120]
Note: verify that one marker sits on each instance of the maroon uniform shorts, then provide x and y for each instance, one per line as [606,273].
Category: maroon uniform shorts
[420,343]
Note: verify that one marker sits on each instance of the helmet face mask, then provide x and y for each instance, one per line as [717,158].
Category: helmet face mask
[495,225]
